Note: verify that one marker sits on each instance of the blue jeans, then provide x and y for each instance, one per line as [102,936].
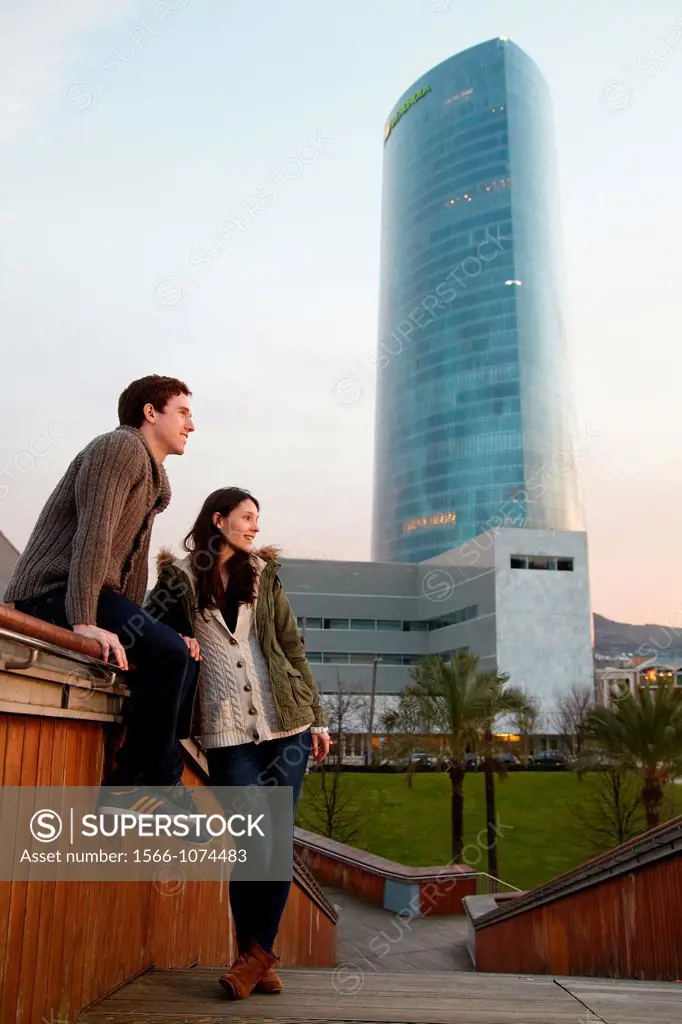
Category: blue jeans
[257,907]
[163,679]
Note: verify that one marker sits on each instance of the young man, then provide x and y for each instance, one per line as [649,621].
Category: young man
[85,568]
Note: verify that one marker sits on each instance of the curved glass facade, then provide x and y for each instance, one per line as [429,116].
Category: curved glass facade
[474,421]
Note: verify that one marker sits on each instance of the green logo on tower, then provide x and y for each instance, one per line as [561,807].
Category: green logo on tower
[392,121]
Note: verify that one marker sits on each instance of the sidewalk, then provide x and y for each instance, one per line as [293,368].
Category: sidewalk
[371,939]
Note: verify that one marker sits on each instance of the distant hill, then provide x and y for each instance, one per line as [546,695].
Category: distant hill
[613,638]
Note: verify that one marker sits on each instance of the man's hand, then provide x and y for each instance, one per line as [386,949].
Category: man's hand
[109,643]
[320,746]
[193,646]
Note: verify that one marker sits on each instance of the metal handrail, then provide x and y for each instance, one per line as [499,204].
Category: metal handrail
[492,885]
[101,669]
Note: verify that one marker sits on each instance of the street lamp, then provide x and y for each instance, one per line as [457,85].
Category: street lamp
[372,700]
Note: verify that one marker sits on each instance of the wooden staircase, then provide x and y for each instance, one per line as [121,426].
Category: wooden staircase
[64,945]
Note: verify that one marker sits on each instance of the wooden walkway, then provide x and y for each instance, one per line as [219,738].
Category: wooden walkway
[315,996]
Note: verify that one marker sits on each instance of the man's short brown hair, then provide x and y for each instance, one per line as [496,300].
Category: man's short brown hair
[155,390]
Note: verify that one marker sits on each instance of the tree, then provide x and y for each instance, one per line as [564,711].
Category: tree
[610,809]
[462,703]
[346,712]
[334,807]
[642,732]
[502,702]
[525,722]
[405,724]
[573,709]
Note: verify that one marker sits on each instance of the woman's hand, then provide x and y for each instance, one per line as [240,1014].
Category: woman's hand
[193,647]
[320,746]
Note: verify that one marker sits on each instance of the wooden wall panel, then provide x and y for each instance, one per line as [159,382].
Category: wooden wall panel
[352,878]
[628,927]
[64,945]
[307,937]
[445,897]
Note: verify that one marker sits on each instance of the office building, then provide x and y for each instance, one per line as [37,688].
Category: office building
[518,598]
[8,559]
[474,421]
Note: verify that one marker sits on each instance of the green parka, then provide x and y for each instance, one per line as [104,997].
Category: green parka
[295,693]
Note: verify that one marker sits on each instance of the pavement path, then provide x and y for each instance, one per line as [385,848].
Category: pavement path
[373,940]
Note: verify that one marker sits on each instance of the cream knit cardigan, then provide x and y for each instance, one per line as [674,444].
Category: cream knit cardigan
[235,691]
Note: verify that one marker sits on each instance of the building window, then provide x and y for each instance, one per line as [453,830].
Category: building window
[305,622]
[336,623]
[363,624]
[420,626]
[335,657]
[447,655]
[461,615]
[389,624]
[391,659]
[541,562]
[362,659]
[314,657]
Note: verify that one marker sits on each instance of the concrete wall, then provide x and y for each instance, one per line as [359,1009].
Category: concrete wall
[544,622]
[533,624]
[380,590]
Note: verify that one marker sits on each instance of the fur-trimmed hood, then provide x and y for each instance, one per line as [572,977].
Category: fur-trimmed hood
[165,556]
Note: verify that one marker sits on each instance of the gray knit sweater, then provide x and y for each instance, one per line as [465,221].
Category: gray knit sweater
[95,527]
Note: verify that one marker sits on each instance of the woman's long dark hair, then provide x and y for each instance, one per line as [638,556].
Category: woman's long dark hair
[204,542]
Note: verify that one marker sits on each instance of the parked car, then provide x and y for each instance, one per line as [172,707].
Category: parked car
[426,760]
[554,759]
[473,762]
[508,761]
[594,761]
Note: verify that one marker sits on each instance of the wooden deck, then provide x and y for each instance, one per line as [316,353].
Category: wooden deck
[314,996]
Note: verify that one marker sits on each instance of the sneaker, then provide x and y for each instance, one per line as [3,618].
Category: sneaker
[181,796]
[169,800]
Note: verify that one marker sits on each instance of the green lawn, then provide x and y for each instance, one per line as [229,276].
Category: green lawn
[539,835]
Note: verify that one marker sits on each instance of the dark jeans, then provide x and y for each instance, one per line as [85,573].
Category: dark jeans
[163,676]
[257,907]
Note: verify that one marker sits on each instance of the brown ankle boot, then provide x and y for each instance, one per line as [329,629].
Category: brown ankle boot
[247,971]
[270,984]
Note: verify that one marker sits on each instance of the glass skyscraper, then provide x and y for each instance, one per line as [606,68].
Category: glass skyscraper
[474,424]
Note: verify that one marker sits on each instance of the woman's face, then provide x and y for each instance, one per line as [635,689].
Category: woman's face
[240,526]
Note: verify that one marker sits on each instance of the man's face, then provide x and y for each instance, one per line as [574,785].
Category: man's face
[172,427]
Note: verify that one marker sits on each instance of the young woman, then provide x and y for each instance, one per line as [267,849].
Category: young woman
[259,707]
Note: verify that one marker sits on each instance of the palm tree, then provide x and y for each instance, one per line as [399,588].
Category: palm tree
[642,733]
[462,702]
[504,701]
[525,721]
[405,725]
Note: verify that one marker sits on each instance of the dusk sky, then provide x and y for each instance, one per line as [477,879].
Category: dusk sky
[131,133]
